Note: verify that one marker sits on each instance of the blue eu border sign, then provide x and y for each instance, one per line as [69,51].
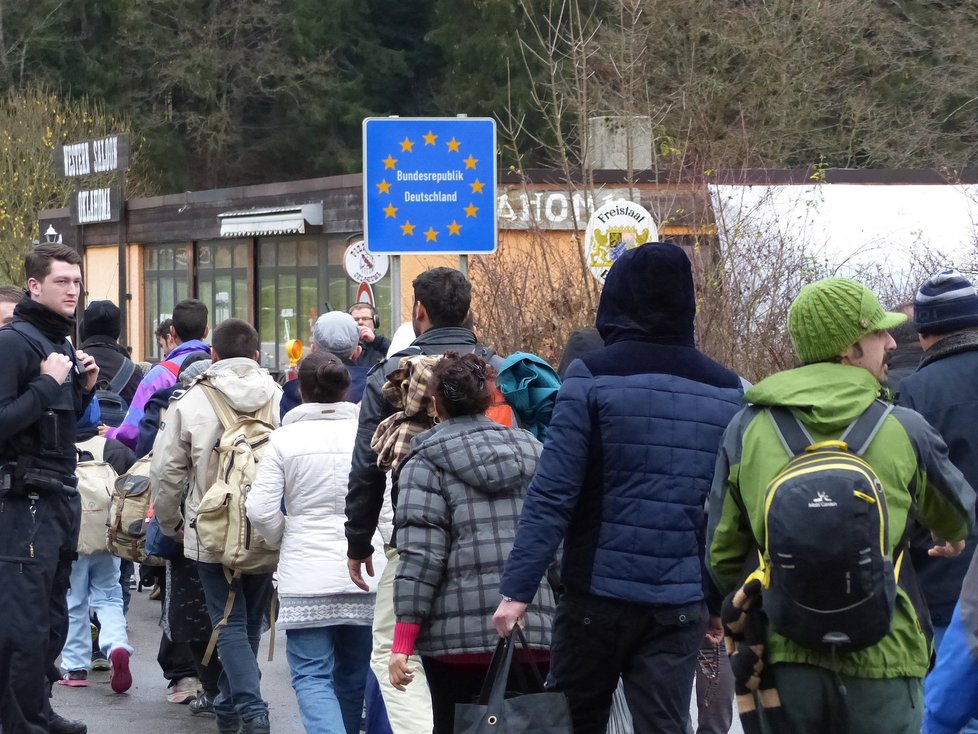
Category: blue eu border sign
[429,185]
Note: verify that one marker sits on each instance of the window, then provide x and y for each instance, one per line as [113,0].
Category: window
[222,279]
[289,302]
[167,274]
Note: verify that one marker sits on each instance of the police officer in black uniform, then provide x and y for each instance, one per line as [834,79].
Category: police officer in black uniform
[45,386]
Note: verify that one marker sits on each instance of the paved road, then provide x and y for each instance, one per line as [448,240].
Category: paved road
[144,709]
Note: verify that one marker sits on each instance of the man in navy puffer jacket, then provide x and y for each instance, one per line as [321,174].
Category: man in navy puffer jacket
[622,481]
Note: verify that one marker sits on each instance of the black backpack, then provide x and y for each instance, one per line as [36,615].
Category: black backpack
[829,579]
[112,406]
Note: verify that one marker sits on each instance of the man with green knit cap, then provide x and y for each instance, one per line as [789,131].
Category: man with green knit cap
[840,333]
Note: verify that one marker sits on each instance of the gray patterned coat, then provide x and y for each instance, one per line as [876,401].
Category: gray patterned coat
[461,492]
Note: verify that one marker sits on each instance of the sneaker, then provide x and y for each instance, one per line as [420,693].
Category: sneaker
[99,661]
[58,724]
[184,690]
[258,725]
[75,679]
[120,678]
[203,705]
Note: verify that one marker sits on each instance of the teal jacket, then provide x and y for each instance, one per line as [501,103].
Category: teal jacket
[907,454]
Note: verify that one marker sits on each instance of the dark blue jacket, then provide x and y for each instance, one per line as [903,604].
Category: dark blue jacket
[629,459]
[951,689]
[358,381]
[944,390]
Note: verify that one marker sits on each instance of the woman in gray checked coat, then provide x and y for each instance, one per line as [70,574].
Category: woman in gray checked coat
[461,492]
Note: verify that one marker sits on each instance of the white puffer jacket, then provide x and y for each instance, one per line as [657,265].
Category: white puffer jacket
[307,462]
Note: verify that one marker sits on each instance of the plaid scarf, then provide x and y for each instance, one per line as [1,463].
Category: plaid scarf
[406,388]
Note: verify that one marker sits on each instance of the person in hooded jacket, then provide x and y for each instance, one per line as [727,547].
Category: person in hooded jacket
[100,329]
[623,481]
[185,446]
[461,491]
[297,503]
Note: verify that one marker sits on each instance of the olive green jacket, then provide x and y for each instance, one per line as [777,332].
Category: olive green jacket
[907,454]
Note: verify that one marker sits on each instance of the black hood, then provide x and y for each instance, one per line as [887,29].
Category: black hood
[648,296]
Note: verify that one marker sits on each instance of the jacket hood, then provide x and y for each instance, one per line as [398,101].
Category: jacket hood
[320,412]
[648,296]
[825,394]
[245,384]
[477,450]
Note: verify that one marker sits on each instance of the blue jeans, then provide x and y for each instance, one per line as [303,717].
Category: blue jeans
[972,726]
[94,585]
[240,683]
[329,672]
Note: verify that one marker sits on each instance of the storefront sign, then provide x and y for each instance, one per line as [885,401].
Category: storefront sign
[91,206]
[103,155]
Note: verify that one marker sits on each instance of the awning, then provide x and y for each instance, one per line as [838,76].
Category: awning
[275,220]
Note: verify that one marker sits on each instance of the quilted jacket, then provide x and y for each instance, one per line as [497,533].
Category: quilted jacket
[628,462]
[461,491]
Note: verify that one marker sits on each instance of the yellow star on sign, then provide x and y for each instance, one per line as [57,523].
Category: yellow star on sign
[431,235]
[407,228]
[453,145]
[470,161]
[430,138]
[383,187]
[454,228]
[470,210]
[407,145]
[477,186]
[390,211]
[389,161]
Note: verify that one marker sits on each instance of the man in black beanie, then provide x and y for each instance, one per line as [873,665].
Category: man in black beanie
[100,329]
[944,391]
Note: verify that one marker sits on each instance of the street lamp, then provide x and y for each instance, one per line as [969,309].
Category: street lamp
[51,236]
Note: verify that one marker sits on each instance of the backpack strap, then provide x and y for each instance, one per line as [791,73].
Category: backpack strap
[41,344]
[122,377]
[225,414]
[863,430]
[794,436]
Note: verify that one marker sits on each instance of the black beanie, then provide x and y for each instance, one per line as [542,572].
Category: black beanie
[102,318]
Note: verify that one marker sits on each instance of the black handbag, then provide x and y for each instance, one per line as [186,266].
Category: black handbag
[528,713]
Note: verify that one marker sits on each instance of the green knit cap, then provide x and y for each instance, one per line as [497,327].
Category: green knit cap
[831,315]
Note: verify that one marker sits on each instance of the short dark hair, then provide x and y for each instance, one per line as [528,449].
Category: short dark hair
[235,338]
[11,294]
[190,319]
[37,264]
[163,330]
[461,383]
[323,378]
[446,295]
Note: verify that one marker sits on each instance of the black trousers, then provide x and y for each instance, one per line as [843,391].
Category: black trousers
[38,539]
[652,649]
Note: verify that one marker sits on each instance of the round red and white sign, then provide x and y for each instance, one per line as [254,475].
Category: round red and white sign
[362,265]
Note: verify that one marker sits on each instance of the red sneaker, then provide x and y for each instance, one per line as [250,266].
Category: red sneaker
[120,678]
[75,679]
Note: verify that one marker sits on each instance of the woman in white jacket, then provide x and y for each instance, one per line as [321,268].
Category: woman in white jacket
[298,501]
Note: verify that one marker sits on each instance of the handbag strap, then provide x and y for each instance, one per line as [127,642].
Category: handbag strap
[494,686]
